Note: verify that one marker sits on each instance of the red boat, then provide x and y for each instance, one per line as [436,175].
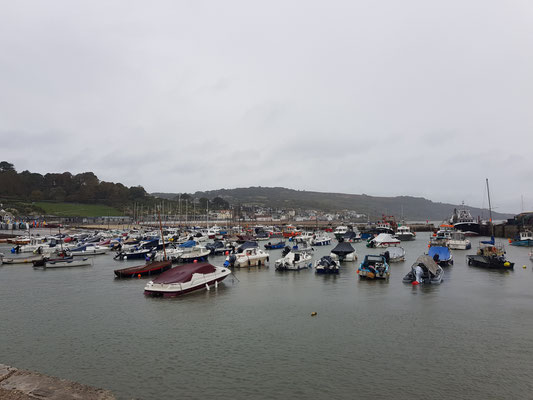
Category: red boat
[152,268]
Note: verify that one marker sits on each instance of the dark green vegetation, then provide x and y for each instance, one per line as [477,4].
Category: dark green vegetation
[412,208]
[31,193]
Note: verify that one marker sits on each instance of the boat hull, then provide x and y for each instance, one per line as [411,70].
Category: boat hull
[144,270]
[175,293]
[488,262]
[522,243]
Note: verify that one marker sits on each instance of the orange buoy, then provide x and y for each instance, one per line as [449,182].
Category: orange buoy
[195,261]
[227,253]
[414,283]
[139,276]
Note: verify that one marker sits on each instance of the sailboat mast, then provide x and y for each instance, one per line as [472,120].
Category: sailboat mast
[162,236]
[490,209]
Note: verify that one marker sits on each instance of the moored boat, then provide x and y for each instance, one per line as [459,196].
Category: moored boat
[343,252]
[383,240]
[151,268]
[62,262]
[374,267]
[272,246]
[249,257]
[441,255]
[185,279]
[524,239]
[326,265]
[458,241]
[424,270]
[294,260]
[394,254]
[404,233]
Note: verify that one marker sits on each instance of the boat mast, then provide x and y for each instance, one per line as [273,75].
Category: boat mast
[162,236]
[490,209]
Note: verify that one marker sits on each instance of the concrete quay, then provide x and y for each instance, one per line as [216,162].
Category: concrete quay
[19,384]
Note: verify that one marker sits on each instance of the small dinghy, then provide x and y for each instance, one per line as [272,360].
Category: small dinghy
[424,270]
[152,268]
[326,265]
[279,245]
[62,263]
[185,279]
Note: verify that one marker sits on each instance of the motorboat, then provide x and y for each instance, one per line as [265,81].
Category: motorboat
[294,260]
[374,267]
[459,241]
[303,237]
[442,236]
[192,254]
[21,260]
[134,254]
[219,247]
[89,250]
[326,265]
[463,221]
[62,262]
[343,252]
[525,239]
[490,255]
[151,268]
[186,278]
[441,255]
[249,257]
[394,254]
[272,246]
[383,240]
[424,270]
[340,231]
[404,233]
[351,236]
[169,253]
[320,240]
[384,227]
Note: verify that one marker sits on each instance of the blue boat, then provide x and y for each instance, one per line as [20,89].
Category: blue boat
[279,245]
[525,239]
[374,267]
[441,255]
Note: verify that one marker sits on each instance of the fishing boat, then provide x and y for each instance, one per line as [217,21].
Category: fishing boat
[272,246]
[458,241]
[343,252]
[294,260]
[374,267]
[441,255]
[424,270]
[62,262]
[326,265]
[404,233]
[463,221]
[186,278]
[524,239]
[151,268]
[383,240]
[384,227]
[394,254]
[490,255]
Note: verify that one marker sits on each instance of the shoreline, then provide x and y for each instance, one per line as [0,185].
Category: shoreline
[20,384]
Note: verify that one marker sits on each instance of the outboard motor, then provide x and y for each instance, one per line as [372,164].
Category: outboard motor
[230,261]
[286,250]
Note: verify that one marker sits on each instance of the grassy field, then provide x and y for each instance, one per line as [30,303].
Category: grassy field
[78,210]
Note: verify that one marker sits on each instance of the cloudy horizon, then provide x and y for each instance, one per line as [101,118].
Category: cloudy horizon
[387,98]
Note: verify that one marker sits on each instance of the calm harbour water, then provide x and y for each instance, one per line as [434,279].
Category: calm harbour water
[471,337]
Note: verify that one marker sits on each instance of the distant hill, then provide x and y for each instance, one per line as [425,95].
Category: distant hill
[412,208]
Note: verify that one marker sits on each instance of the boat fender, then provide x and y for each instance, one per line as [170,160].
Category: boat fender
[506,264]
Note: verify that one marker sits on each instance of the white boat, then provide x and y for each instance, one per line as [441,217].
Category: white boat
[250,257]
[394,254]
[65,263]
[340,231]
[294,260]
[321,240]
[303,237]
[404,233]
[458,241]
[172,253]
[185,279]
[383,240]
[343,252]
[196,253]
[89,250]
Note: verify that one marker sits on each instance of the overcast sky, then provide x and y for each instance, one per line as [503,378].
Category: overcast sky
[383,97]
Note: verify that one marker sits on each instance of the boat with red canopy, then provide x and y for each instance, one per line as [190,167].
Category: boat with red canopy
[151,268]
[185,279]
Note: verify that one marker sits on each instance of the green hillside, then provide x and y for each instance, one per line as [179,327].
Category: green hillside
[77,209]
